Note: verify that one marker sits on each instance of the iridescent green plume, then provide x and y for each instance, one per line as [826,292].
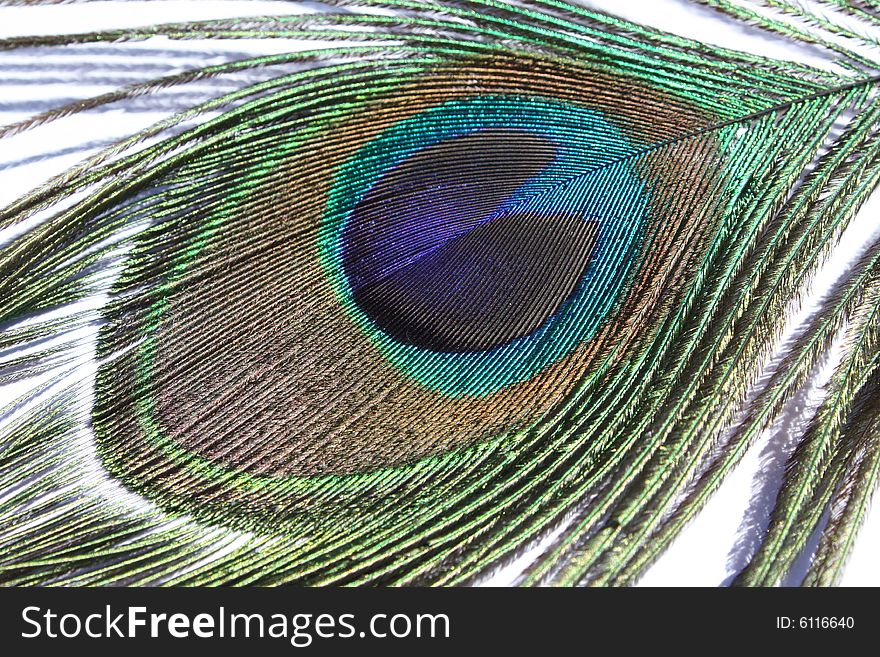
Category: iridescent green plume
[444,282]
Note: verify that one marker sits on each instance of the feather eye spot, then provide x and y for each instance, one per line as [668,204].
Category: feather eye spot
[435,263]
[476,229]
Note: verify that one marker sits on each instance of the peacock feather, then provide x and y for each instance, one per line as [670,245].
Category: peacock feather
[425,288]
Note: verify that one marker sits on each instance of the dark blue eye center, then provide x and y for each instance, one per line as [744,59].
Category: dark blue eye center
[435,263]
[480,241]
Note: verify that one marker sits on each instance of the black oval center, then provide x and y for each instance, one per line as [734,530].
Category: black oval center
[433,264]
